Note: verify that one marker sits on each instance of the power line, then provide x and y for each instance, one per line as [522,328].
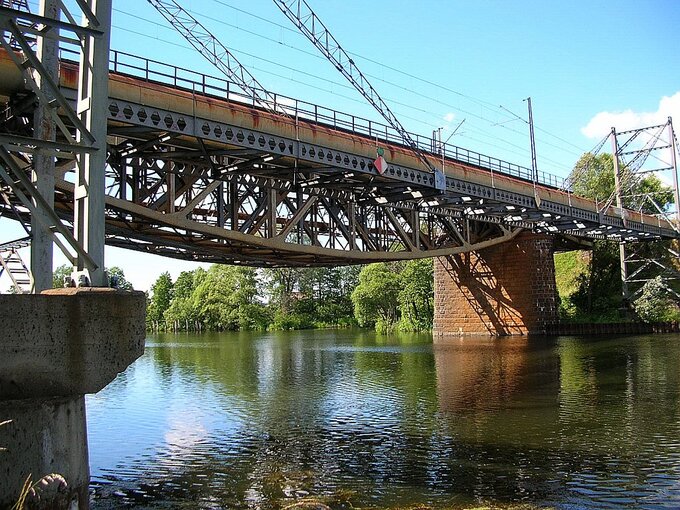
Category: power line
[485,104]
[481,102]
[342,85]
[288,78]
[296,70]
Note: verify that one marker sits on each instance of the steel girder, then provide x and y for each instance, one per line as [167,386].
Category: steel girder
[81,127]
[251,202]
[192,188]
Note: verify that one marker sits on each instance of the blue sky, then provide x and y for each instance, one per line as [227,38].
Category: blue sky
[587,65]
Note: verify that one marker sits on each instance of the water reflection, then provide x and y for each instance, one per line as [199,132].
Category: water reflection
[243,420]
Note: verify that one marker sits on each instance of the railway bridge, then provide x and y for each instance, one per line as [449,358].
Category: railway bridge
[101,147]
[196,171]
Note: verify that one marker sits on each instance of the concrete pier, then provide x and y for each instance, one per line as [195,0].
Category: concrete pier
[54,348]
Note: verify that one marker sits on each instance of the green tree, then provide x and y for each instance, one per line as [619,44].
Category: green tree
[226,298]
[376,297]
[416,297]
[593,176]
[302,298]
[60,274]
[655,303]
[184,285]
[159,302]
[648,189]
[282,285]
[182,313]
[117,278]
[599,293]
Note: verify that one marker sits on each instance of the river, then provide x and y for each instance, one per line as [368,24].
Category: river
[355,419]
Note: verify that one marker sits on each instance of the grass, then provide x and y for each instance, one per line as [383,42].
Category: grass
[568,267]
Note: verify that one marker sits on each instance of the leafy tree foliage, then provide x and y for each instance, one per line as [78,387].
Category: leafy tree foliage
[117,278]
[305,298]
[416,297]
[376,298]
[222,297]
[655,304]
[593,177]
[60,274]
[182,314]
[395,295]
[283,286]
[159,302]
[228,298]
[599,292]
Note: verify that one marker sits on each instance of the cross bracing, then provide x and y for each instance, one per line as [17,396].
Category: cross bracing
[194,171]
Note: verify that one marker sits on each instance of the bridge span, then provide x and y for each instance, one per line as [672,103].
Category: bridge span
[196,171]
[152,157]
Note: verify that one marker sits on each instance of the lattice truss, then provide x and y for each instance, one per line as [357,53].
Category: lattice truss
[19,5]
[187,197]
[639,153]
[72,143]
[247,206]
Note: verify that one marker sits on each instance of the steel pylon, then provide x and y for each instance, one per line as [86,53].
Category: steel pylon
[640,152]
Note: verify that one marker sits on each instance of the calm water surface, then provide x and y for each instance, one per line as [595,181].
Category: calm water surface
[359,420]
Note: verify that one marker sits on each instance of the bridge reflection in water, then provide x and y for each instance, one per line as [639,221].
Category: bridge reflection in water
[266,420]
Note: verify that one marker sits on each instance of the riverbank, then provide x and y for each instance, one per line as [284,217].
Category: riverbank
[612,328]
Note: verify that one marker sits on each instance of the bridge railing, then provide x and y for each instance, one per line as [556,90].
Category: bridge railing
[182,78]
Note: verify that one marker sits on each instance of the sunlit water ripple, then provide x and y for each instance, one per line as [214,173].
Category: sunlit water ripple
[358,420]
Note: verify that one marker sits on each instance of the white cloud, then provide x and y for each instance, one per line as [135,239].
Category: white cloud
[449,117]
[600,125]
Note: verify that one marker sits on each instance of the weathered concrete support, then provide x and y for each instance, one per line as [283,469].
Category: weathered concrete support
[54,348]
[508,289]
[44,437]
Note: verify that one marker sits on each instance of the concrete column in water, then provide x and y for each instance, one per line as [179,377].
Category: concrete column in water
[54,348]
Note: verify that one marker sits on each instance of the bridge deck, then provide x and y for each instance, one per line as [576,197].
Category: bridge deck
[320,153]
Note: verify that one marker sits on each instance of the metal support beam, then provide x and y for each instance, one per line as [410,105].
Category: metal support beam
[619,203]
[18,181]
[42,247]
[674,164]
[92,110]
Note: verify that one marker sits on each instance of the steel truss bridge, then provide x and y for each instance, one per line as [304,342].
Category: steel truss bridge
[195,170]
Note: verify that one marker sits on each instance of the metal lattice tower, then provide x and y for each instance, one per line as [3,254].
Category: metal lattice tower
[12,265]
[60,130]
[651,150]
[19,5]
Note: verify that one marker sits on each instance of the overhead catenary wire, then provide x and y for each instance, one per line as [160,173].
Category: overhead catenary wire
[481,102]
[486,105]
[432,122]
